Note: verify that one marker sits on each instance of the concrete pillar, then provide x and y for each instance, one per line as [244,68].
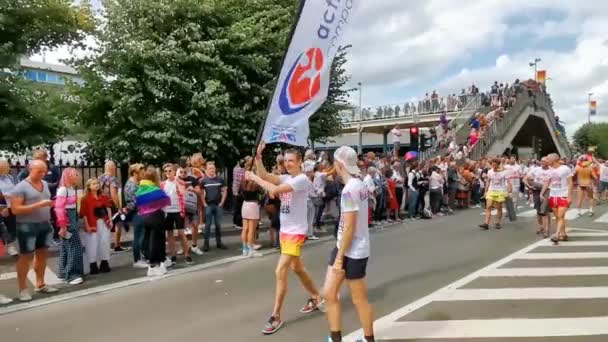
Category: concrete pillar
[385,141]
[360,140]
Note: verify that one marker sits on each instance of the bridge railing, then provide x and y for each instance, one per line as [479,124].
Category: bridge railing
[409,109]
[459,124]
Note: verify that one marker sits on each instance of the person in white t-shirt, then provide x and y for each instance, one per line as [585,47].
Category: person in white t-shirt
[498,188]
[560,186]
[534,181]
[514,171]
[603,186]
[175,214]
[348,260]
[294,190]
[396,133]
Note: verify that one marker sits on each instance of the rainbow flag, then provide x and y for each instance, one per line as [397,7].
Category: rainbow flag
[541,76]
[150,198]
[593,107]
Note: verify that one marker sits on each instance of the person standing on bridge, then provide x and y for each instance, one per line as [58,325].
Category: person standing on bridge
[396,133]
[293,190]
[348,260]
[31,203]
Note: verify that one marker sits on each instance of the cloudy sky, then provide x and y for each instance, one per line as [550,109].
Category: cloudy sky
[404,48]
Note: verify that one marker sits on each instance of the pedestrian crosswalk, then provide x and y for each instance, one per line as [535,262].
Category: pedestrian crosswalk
[542,291]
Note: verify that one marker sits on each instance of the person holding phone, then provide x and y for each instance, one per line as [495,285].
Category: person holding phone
[31,203]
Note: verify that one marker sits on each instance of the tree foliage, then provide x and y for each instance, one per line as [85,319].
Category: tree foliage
[26,27]
[171,78]
[593,134]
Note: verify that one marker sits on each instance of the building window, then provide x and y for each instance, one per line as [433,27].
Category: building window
[30,75]
[42,76]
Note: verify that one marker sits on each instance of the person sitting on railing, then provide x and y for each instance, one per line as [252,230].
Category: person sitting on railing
[435,101]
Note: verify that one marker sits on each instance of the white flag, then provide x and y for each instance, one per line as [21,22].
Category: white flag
[304,79]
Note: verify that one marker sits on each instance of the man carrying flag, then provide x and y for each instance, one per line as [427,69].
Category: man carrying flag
[301,89]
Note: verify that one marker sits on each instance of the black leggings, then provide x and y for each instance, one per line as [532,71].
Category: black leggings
[154,225]
[435,198]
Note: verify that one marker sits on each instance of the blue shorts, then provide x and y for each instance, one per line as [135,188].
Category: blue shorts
[33,236]
[603,186]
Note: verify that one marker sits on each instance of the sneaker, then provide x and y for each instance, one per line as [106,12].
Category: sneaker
[196,250]
[46,289]
[313,237]
[180,251]
[245,251]
[257,247]
[25,296]
[157,271]
[119,249]
[76,281]
[168,263]
[237,227]
[140,264]
[189,260]
[590,213]
[484,226]
[311,306]
[5,300]
[273,325]
[222,246]
[12,250]
[254,254]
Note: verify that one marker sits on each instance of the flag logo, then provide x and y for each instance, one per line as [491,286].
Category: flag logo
[303,82]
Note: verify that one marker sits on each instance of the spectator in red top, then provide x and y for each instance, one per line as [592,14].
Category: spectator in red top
[95,209]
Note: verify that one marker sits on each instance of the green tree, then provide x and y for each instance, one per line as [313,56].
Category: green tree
[26,27]
[593,134]
[171,78]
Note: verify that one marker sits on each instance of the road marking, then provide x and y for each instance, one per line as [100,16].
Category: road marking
[388,320]
[495,328]
[8,276]
[545,271]
[556,256]
[602,219]
[594,233]
[526,293]
[589,230]
[576,243]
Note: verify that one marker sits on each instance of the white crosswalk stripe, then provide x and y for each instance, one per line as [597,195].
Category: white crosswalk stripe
[602,219]
[444,314]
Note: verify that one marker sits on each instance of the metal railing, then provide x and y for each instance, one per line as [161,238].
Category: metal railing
[459,124]
[409,109]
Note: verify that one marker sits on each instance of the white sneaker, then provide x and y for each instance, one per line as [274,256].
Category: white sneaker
[255,254]
[180,251]
[157,271]
[12,250]
[168,263]
[245,251]
[5,300]
[25,296]
[163,269]
[257,247]
[76,281]
[237,227]
[196,250]
[313,237]
[140,264]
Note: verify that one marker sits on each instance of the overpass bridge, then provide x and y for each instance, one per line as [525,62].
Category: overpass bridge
[530,123]
[366,129]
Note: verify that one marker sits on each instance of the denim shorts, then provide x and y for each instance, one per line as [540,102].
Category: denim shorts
[33,236]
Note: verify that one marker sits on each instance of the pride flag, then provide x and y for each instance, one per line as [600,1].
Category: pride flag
[541,76]
[593,107]
[150,198]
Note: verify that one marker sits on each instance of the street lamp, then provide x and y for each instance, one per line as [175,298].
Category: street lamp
[589,107]
[535,65]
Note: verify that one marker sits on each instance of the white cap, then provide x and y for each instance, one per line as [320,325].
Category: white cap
[348,157]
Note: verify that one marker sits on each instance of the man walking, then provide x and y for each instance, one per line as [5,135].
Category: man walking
[214,197]
[31,200]
[293,190]
[349,258]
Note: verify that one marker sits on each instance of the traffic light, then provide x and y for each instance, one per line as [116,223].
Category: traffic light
[414,139]
[422,142]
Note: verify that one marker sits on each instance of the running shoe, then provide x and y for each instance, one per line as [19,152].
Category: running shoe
[5,300]
[189,260]
[140,264]
[76,281]
[312,306]
[254,254]
[25,296]
[196,250]
[273,325]
[313,237]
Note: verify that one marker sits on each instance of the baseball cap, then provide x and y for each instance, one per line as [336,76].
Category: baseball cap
[348,157]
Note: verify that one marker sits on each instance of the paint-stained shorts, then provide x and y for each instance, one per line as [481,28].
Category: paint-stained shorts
[291,244]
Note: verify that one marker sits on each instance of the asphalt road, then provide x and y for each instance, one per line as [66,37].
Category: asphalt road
[231,302]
